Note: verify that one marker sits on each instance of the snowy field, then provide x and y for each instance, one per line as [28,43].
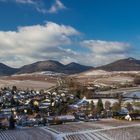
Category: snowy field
[26,134]
[103,72]
[106,129]
[99,77]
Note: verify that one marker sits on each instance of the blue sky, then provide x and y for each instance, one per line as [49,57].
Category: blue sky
[91,32]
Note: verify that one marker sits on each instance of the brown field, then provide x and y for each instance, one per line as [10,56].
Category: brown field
[28,81]
[39,81]
[107,78]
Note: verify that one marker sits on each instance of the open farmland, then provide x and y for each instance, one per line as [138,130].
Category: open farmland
[45,80]
[30,81]
[109,129]
[26,84]
[129,133]
[97,125]
[105,77]
[26,134]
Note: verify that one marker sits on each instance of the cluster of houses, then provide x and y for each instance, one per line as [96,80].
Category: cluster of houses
[31,108]
[22,108]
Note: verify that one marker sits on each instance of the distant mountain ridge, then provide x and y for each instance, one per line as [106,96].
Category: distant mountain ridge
[48,65]
[128,64]
[55,66]
[6,70]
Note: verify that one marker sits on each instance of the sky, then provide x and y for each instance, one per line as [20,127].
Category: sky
[89,32]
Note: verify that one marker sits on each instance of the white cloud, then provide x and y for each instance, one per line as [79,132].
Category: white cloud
[103,52]
[53,41]
[104,47]
[40,6]
[58,5]
[38,42]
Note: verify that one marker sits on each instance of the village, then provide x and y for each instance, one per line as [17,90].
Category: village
[65,102]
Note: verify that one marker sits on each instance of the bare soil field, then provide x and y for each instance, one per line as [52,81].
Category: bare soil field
[104,77]
[39,80]
[114,79]
[26,84]
[28,81]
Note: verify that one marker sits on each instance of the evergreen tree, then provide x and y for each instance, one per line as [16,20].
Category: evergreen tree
[11,122]
[78,94]
[120,97]
[91,107]
[100,107]
[13,102]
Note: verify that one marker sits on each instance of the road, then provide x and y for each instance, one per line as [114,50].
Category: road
[123,90]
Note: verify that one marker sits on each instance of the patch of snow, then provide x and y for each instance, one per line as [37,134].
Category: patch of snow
[96,72]
[49,73]
[106,73]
